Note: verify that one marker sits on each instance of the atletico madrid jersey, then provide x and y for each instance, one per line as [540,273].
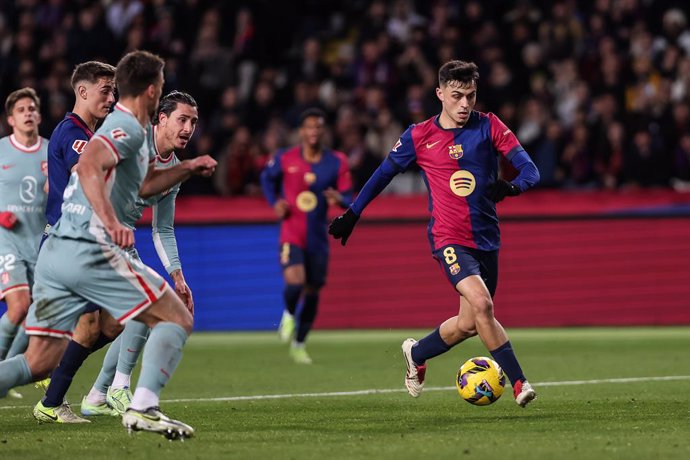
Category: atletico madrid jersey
[66,144]
[459,166]
[302,184]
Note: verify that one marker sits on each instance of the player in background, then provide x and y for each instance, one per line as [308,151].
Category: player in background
[300,183]
[172,129]
[458,152]
[22,206]
[115,168]
[94,92]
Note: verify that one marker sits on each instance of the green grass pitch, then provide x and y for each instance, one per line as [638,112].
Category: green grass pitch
[603,393]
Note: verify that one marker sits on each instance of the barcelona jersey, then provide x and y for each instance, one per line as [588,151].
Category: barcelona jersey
[66,144]
[459,166]
[302,184]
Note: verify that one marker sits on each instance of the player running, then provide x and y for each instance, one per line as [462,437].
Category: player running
[458,152]
[23,170]
[300,183]
[115,168]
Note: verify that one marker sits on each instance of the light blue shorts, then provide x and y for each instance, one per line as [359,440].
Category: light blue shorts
[73,273]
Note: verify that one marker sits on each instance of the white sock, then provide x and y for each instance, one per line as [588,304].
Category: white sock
[121,380]
[95,397]
[144,398]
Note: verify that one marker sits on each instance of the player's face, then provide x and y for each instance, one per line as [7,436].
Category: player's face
[25,117]
[100,96]
[180,125]
[311,131]
[458,101]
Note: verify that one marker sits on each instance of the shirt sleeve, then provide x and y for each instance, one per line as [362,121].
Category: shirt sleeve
[271,178]
[76,142]
[163,231]
[122,140]
[344,181]
[400,157]
[508,145]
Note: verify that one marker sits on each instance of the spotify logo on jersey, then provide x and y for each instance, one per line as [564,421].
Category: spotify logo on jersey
[462,183]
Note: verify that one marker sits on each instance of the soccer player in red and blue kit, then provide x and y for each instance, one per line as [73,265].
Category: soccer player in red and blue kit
[300,183]
[458,152]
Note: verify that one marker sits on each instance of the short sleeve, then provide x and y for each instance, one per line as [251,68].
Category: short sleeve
[403,153]
[503,138]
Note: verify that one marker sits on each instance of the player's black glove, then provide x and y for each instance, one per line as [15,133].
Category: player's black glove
[342,226]
[501,189]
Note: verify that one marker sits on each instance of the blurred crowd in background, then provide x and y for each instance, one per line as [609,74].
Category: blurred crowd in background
[598,92]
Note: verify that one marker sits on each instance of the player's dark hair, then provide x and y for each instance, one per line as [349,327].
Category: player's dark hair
[136,71]
[463,72]
[91,71]
[21,94]
[168,103]
[312,112]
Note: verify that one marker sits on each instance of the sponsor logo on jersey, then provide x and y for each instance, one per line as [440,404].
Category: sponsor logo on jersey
[454,269]
[397,144]
[455,151]
[309,178]
[73,208]
[462,183]
[306,201]
[118,133]
[79,145]
[27,189]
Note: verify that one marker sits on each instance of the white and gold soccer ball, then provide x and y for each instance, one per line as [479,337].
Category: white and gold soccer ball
[480,381]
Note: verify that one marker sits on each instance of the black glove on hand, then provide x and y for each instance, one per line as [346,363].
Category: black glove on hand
[501,189]
[342,226]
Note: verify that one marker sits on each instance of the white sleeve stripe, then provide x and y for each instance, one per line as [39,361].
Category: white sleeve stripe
[160,250]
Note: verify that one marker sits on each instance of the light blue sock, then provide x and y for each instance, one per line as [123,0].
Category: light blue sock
[162,354]
[19,344]
[133,339]
[105,377]
[14,372]
[7,332]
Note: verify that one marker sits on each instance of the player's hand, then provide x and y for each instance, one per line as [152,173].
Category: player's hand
[7,219]
[203,165]
[183,291]
[501,189]
[342,226]
[281,208]
[122,236]
[333,197]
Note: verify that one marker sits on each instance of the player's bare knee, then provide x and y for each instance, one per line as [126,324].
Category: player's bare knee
[483,307]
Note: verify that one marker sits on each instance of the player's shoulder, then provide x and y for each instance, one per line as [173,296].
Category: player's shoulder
[121,125]
[289,152]
[487,117]
[337,154]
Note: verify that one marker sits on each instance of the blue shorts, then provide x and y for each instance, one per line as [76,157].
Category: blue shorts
[459,262]
[315,263]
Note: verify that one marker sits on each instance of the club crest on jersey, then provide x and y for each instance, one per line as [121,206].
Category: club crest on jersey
[118,133]
[397,144]
[455,151]
[309,178]
[79,145]
[44,168]
[454,269]
[5,278]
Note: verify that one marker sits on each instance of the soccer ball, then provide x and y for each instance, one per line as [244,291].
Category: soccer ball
[480,381]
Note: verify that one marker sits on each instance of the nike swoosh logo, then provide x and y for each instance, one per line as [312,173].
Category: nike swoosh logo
[6,167]
[131,351]
[52,417]
[431,145]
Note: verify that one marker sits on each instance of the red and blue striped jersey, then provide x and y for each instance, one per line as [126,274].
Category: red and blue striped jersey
[66,144]
[302,184]
[459,165]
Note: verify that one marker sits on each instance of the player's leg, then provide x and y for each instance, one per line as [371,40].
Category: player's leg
[18,299]
[479,291]
[133,339]
[292,262]
[95,402]
[19,344]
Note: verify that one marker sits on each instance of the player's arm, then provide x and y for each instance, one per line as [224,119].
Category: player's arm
[158,180]
[507,145]
[398,160]
[271,180]
[342,194]
[163,233]
[98,160]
